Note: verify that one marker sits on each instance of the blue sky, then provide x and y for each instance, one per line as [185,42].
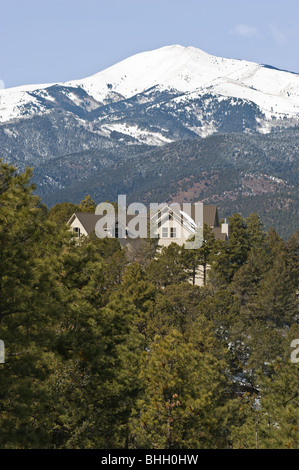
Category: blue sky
[45,41]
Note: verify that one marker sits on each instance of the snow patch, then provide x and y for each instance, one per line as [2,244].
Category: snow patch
[141,135]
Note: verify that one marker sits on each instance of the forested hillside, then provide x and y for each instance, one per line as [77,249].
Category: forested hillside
[238,172]
[105,350]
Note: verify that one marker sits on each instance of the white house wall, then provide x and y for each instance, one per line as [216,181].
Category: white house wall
[77,224]
[182,234]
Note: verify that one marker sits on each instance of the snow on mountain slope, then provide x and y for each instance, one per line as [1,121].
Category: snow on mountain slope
[13,101]
[187,70]
[144,136]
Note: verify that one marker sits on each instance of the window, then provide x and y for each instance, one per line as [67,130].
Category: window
[172,232]
[118,232]
[164,232]
[76,232]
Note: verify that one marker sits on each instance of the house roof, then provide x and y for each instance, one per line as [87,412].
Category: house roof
[88,220]
[210,217]
[218,234]
[210,213]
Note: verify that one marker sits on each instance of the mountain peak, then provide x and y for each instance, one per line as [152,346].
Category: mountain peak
[173,66]
[180,48]
[186,70]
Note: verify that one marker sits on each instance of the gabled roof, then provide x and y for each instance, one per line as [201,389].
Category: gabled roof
[210,213]
[218,234]
[210,217]
[182,218]
[88,220]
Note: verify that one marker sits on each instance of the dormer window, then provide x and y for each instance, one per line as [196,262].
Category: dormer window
[76,232]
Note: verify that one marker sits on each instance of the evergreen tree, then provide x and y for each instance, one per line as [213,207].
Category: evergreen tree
[31,306]
[87,205]
[183,403]
[270,419]
[61,213]
[202,256]
[104,350]
[229,257]
[169,266]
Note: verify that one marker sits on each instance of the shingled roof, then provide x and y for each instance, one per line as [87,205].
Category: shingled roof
[210,213]
[88,220]
[210,217]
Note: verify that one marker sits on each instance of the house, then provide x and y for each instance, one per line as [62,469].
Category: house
[83,224]
[178,226]
[172,224]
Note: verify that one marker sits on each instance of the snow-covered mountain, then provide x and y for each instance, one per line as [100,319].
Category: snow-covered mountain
[194,73]
[170,123]
[186,70]
[151,98]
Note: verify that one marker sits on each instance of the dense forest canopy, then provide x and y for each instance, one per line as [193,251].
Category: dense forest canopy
[106,350]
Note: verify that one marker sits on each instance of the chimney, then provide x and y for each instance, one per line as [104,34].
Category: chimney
[224,228]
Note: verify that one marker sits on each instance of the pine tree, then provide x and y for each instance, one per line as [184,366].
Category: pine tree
[183,404]
[169,266]
[270,419]
[256,233]
[229,257]
[176,306]
[61,213]
[87,205]
[142,293]
[201,256]
[30,308]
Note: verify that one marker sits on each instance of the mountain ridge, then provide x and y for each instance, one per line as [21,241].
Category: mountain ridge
[130,120]
[237,172]
[183,69]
